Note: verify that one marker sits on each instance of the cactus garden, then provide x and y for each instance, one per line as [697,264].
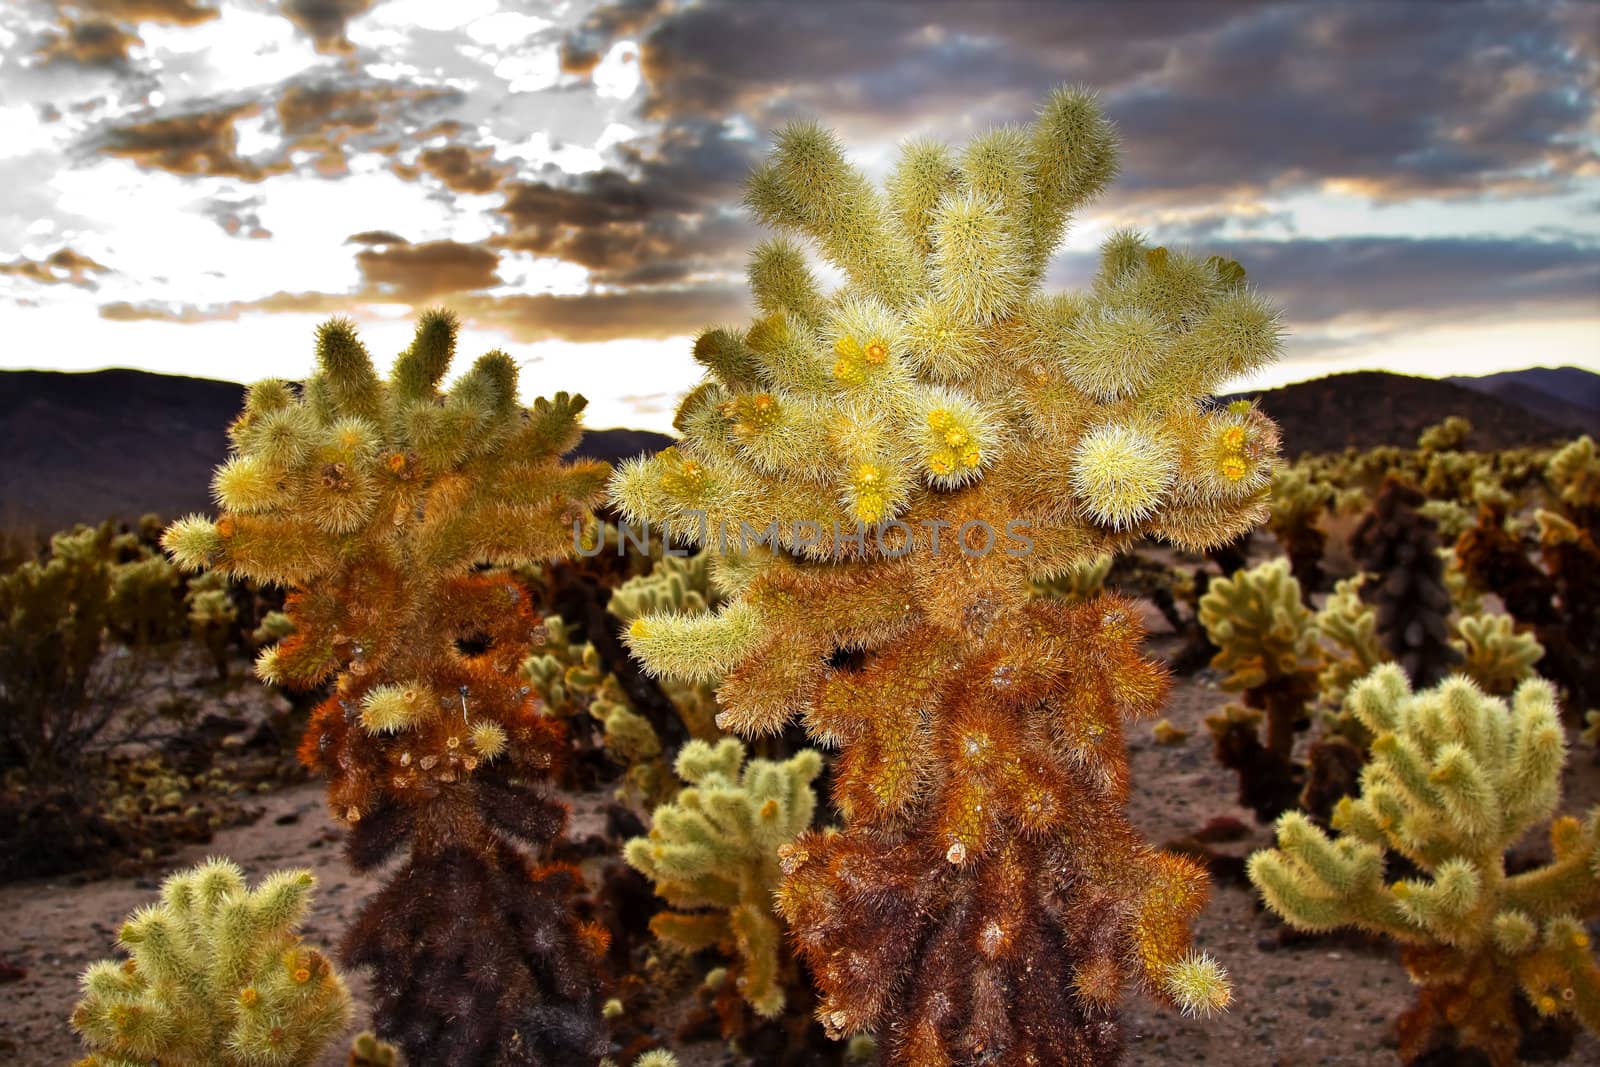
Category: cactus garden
[988,669]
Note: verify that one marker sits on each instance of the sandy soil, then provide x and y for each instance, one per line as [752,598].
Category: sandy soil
[1315,1002]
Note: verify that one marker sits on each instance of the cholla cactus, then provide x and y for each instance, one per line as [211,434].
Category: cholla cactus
[1077,583]
[375,501]
[713,856]
[1298,504]
[680,584]
[1349,625]
[217,976]
[1455,779]
[1493,653]
[1574,474]
[1449,518]
[1446,436]
[1268,651]
[368,1050]
[1558,597]
[211,616]
[60,619]
[572,681]
[144,605]
[1398,545]
[686,587]
[274,627]
[924,442]
[657,1058]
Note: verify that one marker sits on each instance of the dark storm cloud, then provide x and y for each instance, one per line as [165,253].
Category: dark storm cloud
[199,142]
[101,33]
[417,272]
[1434,278]
[1395,100]
[329,119]
[324,20]
[323,119]
[91,44]
[1424,281]
[170,12]
[375,237]
[582,48]
[463,169]
[61,267]
[672,214]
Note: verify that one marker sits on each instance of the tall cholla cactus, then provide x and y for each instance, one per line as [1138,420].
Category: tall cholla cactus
[714,852]
[1267,649]
[1398,545]
[1456,778]
[216,976]
[924,442]
[375,501]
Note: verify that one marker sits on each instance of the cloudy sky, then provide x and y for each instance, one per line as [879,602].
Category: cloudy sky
[189,186]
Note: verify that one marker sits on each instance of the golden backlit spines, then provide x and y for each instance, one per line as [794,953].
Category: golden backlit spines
[377,501]
[1122,473]
[1456,778]
[1044,372]
[928,439]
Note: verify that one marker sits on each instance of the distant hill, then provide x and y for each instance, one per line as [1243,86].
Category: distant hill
[119,443]
[1368,408]
[1564,395]
[81,447]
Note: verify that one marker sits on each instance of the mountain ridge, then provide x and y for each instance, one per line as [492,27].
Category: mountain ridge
[84,446]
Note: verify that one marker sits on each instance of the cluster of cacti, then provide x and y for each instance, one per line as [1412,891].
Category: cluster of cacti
[1298,504]
[683,586]
[1268,651]
[1398,546]
[1286,660]
[216,977]
[915,500]
[211,616]
[1449,518]
[59,617]
[143,609]
[1555,592]
[1451,477]
[1456,777]
[375,502]
[571,679]
[713,856]
[924,442]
